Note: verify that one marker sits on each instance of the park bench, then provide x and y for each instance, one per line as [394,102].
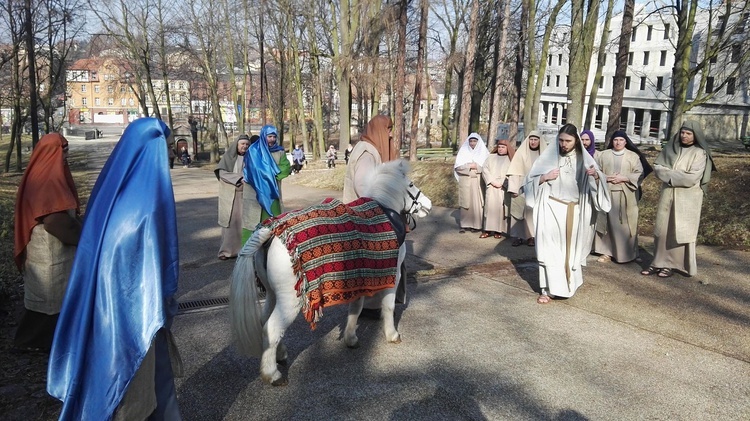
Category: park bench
[430,153]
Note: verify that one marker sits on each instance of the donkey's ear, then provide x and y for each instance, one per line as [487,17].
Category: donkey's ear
[403,166]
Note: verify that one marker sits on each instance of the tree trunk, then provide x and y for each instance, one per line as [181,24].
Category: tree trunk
[466,90]
[681,70]
[583,28]
[398,97]
[600,58]
[621,69]
[503,13]
[31,60]
[518,73]
[533,107]
[419,74]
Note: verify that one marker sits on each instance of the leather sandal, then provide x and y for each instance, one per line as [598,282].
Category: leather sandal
[484,235]
[517,242]
[530,242]
[650,271]
[665,273]
[498,235]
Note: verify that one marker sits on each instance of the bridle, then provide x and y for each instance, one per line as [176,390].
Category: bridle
[414,207]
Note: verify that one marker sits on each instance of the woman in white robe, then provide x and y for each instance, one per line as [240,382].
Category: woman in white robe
[468,170]
[522,220]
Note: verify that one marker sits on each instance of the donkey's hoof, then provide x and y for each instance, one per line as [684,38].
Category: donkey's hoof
[282,381]
[355,345]
[396,340]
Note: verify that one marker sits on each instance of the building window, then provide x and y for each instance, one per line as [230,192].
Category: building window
[709,84]
[601,83]
[666,31]
[712,60]
[559,59]
[645,58]
[83,88]
[97,101]
[549,60]
[720,24]
[736,53]
[180,86]
[627,82]
[663,58]
[547,80]
[659,83]
[730,86]
[630,58]
[84,101]
[123,101]
[72,102]
[632,36]
[110,89]
[567,80]
[649,33]
[111,102]
[131,102]
[643,83]
[122,89]
[96,89]
[743,23]
[557,81]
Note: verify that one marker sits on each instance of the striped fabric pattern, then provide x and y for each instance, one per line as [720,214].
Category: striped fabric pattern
[339,252]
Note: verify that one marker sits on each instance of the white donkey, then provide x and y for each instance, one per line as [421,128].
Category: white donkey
[274,251]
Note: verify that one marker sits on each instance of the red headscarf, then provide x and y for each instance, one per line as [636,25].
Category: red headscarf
[511,148]
[378,134]
[46,187]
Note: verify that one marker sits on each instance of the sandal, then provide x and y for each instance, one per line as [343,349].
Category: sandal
[517,242]
[543,299]
[665,273]
[484,235]
[498,235]
[650,271]
[530,242]
[604,259]
[461,231]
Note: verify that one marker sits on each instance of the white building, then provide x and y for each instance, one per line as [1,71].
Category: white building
[646,100]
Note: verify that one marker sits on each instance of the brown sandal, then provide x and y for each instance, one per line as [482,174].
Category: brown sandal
[498,235]
[484,235]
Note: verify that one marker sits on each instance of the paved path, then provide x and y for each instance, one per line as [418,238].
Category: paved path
[475,344]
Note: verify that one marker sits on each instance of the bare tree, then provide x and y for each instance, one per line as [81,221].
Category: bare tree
[398,97]
[503,10]
[621,69]
[468,80]
[600,58]
[421,55]
[584,19]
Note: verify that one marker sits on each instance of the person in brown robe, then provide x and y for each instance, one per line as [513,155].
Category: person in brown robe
[468,169]
[229,174]
[47,229]
[617,231]
[522,220]
[684,166]
[496,210]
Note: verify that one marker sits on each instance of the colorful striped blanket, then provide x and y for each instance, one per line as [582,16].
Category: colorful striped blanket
[339,252]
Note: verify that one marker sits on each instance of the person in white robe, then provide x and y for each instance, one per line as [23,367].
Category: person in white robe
[468,170]
[496,209]
[522,220]
[565,187]
[684,166]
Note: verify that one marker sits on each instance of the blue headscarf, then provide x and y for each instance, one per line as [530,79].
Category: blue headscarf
[124,275]
[261,169]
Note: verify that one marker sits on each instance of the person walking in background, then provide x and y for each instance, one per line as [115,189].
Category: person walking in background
[467,170]
[588,140]
[348,152]
[47,230]
[298,159]
[494,175]
[185,157]
[564,188]
[113,351]
[617,231]
[684,167]
[265,165]
[331,157]
[522,221]
[229,174]
[194,134]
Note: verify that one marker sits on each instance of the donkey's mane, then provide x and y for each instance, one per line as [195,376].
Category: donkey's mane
[388,185]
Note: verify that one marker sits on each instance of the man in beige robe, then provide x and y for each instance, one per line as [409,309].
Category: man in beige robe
[229,174]
[468,170]
[521,219]
[564,187]
[684,166]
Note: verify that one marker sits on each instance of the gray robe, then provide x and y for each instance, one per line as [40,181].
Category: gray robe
[495,205]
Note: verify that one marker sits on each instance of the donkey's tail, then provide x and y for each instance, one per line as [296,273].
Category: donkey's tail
[244,305]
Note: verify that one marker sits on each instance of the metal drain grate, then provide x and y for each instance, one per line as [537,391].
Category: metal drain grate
[190,306]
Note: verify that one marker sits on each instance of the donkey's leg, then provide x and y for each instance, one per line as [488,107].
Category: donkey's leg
[389,302]
[270,302]
[350,332]
[281,281]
